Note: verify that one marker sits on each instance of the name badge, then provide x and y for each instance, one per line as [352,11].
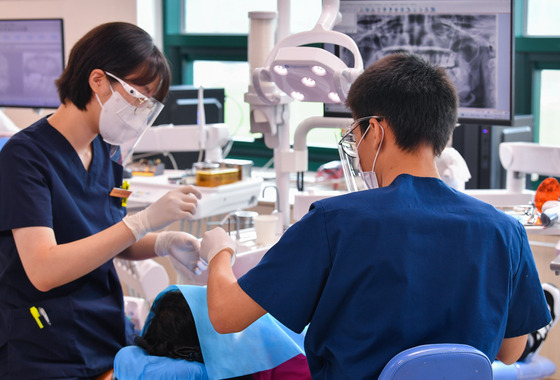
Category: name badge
[120,193]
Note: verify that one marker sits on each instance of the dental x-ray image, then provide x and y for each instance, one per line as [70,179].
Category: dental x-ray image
[465,45]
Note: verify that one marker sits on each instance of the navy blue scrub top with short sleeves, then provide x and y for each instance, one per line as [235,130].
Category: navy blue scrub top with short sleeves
[44,183]
[412,263]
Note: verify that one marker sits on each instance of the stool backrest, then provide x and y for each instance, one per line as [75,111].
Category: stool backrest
[439,361]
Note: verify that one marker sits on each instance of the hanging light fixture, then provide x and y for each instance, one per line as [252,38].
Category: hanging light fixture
[310,74]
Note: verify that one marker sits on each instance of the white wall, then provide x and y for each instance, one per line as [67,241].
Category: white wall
[79,17]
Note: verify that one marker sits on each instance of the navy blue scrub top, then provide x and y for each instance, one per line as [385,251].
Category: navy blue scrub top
[412,263]
[44,183]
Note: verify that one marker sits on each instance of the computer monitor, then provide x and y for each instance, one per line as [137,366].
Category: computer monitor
[479,145]
[31,59]
[472,39]
[181,106]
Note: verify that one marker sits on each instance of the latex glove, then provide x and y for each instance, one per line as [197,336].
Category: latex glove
[215,241]
[183,247]
[177,204]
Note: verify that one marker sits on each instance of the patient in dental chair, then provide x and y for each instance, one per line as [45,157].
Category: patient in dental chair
[171,332]
[177,329]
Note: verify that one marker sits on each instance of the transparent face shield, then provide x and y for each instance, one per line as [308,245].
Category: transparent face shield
[136,113]
[349,158]
[348,152]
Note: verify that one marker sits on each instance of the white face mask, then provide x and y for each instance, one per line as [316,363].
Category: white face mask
[122,124]
[119,121]
[369,177]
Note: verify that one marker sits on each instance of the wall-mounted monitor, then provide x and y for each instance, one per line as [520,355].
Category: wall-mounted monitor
[472,39]
[31,59]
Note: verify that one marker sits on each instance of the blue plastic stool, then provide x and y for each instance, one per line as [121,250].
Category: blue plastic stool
[461,362]
[439,361]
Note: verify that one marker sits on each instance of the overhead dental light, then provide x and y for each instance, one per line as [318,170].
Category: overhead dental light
[309,74]
[294,70]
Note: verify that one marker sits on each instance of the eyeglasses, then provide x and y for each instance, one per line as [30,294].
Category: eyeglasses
[144,101]
[348,140]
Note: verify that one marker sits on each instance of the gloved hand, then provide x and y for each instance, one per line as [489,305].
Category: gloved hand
[183,247]
[215,241]
[177,204]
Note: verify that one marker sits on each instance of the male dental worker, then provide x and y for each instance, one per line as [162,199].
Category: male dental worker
[410,261]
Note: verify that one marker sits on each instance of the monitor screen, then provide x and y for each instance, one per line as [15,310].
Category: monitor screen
[31,59]
[181,106]
[472,39]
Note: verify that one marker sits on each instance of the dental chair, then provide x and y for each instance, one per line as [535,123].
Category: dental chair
[432,361]
[461,362]
[262,346]
[143,281]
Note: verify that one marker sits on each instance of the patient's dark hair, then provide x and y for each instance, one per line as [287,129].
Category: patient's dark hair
[172,331]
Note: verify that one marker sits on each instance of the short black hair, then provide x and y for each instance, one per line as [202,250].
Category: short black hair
[417,99]
[120,48]
[171,332]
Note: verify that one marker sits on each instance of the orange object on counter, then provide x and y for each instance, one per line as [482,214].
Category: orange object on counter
[548,190]
[216,177]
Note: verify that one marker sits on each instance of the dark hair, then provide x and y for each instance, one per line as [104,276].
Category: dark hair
[120,48]
[417,99]
[172,331]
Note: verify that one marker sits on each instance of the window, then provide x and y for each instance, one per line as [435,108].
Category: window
[209,48]
[231,17]
[206,42]
[234,77]
[542,18]
[549,111]
[227,17]
[538,66]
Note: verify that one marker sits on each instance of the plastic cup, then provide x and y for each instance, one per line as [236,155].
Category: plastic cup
[265,227]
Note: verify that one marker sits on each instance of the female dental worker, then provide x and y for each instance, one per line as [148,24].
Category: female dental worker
[61,303]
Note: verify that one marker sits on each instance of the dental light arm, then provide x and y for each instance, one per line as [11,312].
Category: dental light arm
[330,15]
[520,158]
[296,159]
[302,130]
[186,138]
[294,71]
[291,71]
